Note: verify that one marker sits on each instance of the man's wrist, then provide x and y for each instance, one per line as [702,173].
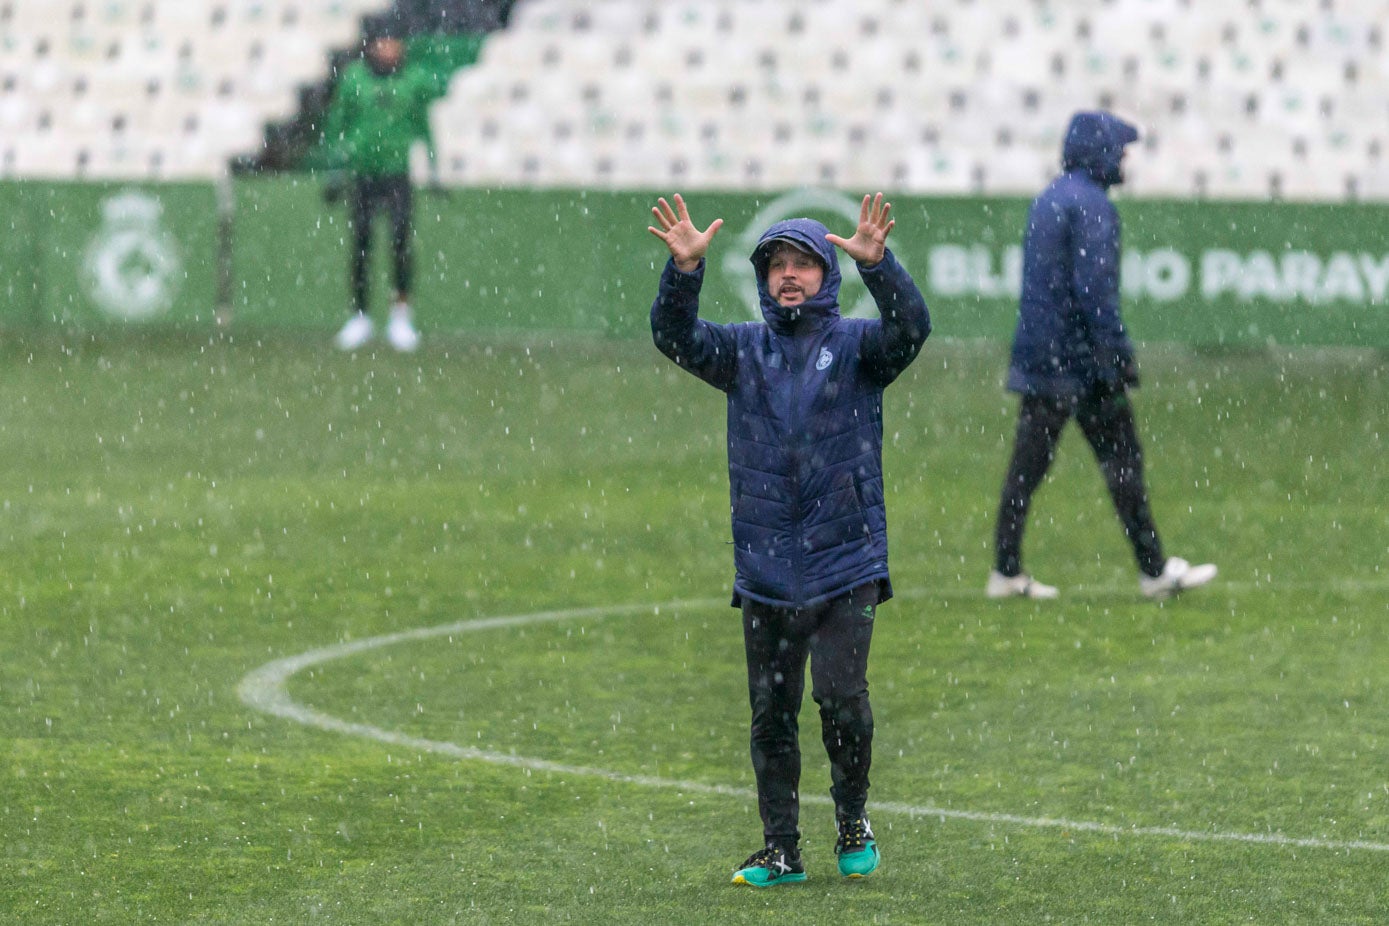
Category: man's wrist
[877,264]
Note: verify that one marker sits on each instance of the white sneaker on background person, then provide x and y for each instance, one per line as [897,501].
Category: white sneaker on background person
[1177,575]
[355,333]
[1018,586]
[401,330]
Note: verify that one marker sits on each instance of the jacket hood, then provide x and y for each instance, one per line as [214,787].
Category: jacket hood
[1095,144]
[808,235]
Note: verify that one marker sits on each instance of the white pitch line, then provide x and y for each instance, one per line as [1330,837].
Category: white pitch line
[264,690]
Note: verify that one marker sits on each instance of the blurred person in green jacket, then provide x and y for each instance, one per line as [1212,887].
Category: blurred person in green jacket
[379,110]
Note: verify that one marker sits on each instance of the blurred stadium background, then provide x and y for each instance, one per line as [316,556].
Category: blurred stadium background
[1263,144]
[1249,100]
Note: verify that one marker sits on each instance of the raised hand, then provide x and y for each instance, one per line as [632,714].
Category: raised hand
[687,244]
[870,238]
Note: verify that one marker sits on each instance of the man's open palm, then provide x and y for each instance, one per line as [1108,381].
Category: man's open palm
[869,242]
[687,244]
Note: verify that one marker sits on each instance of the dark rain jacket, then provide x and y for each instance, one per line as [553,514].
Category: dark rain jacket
[805,425]
[1070,337]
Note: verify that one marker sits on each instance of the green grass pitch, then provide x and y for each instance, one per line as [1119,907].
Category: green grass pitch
[177,513]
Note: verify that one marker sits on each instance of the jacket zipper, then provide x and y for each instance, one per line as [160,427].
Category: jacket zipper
[798,518]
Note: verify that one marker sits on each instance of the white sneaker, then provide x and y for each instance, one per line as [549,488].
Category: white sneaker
[1177,575]
[1019,586]
[355,333]
[401,331]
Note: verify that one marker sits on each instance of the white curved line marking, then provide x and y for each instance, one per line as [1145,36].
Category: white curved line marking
[264,690]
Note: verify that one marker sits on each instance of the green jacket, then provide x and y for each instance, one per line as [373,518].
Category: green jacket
[373,120]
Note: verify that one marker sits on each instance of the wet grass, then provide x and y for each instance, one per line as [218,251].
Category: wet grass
[176,511]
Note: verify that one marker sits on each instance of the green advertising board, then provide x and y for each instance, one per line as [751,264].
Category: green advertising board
[582,262]
[83,254]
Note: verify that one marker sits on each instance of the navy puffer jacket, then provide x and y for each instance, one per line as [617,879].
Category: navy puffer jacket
[1070,337]
[805,424]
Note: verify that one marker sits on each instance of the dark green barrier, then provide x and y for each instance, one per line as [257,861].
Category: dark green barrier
[569,261]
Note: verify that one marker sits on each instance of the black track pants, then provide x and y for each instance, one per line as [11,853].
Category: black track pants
[834,636]
[1106,419]
[370,195]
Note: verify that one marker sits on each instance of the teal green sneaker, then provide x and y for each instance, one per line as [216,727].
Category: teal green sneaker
[769,867]
[856,848]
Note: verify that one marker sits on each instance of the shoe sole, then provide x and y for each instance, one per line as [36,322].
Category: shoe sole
[1187,581]
[1026,595]
[404,344]
[854,875]
[784,879]
[1197,577]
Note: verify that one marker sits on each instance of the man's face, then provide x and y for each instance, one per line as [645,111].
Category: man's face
[793,276]
[386,52]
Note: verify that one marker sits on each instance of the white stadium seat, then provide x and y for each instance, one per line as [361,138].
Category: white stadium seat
[116,82]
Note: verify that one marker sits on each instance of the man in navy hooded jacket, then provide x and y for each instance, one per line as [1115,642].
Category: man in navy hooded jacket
[1072,359]
[804,395]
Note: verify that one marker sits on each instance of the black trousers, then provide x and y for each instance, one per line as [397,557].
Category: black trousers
[834,636]
[371,195]
[1106,419]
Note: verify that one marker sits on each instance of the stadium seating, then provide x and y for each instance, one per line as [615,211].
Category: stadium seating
[1262,100]
[155,88]
[1257,100]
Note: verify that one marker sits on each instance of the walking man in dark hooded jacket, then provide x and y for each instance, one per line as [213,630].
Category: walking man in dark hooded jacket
[1072,359]
[805,471]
